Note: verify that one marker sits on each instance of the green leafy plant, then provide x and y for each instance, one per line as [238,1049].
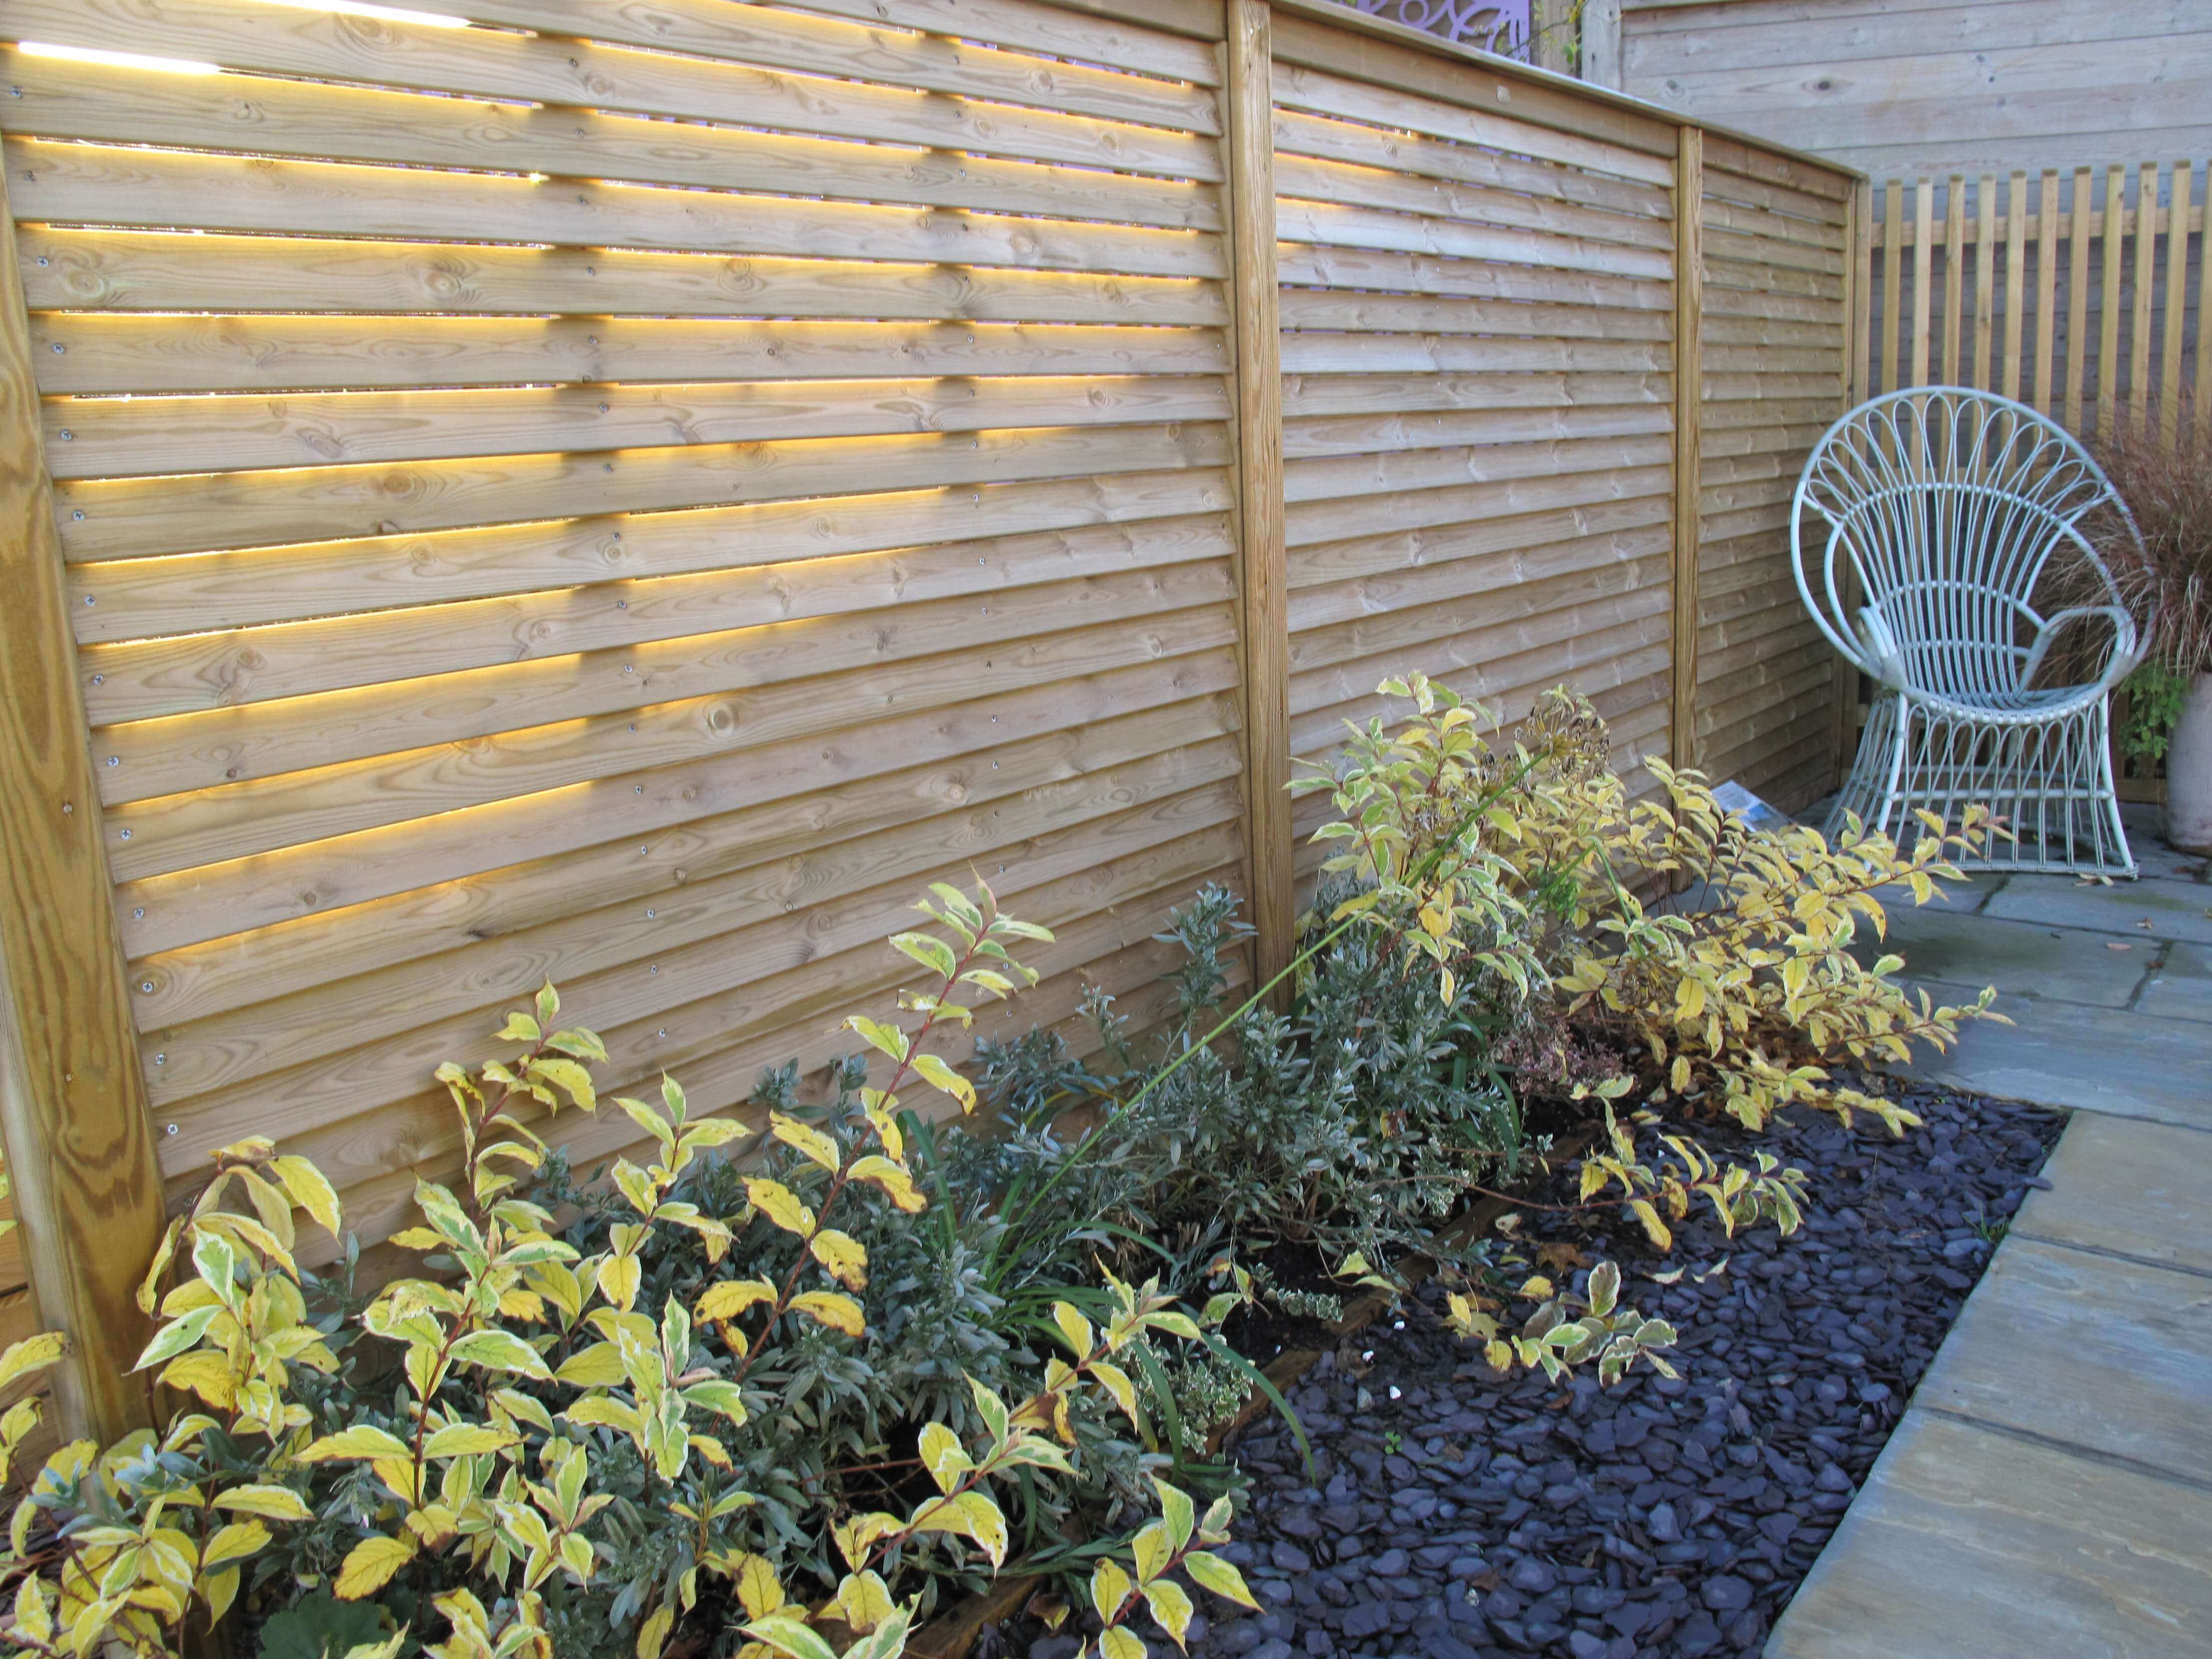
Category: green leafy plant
[529,1420]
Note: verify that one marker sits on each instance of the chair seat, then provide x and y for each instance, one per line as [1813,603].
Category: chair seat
[2040,702]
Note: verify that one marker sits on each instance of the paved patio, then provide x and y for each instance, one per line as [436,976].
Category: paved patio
[2050,1490]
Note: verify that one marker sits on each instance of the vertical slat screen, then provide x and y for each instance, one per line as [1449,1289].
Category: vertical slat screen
[1776,317]
[626,504]
[1478,362]
[2080,292]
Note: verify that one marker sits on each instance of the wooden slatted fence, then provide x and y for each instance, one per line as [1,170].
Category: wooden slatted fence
[626,495]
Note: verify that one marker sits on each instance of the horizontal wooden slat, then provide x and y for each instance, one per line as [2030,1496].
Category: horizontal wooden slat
[395,787]
[66,267]
[783,827]
[1388,433]
[66,99]
[1303,264]
[434,874]
[119,187]
[138,598]
[1384,514]
[1373,148]
[1343,184]
[87,352]
[241,752]
[142,681]
[574,72]
[133,518]
[1321,68]
[1337,226]
[112,437]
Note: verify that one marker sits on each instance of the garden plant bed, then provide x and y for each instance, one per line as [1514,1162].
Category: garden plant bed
[1449,1513]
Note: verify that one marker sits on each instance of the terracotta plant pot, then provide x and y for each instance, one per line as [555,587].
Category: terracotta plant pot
[2189,771]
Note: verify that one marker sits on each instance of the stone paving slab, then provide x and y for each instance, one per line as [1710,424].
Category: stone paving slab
[2078,1058]
[1971,1544]
[2181,988]
[2174,910]
[2106,1355]
[2127,1187]
[2020,959]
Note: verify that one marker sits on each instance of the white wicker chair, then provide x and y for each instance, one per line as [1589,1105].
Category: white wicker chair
[1950,512]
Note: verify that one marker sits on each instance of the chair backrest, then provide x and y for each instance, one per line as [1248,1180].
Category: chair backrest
[1958,513]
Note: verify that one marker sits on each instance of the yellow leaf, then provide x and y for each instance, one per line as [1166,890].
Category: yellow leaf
[810,1141]
[732,1297]
[32,1353]
[1109,1587]
[864,1601]
[618,1277]
[233,1541]
[1538,1287]
[1116,1381]
[839,1313]
[780,1205]
[933,1069]
[277,1502]
[1652,1224]
[758,1589]
[310,1189]
[888,1178]
[370,1565]
[653,1633]
[843,1256]
[1119,1644]
[220,1589]
[596,1366]
[1689,999]
[1171,1605]
[206,1373]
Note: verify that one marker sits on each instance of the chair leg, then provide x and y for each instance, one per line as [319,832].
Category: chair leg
[2114,856]
[1871,791]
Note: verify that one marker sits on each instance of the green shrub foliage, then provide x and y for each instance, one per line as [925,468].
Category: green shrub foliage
[790,1386]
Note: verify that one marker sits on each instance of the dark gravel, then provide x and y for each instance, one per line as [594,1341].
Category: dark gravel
[1452,1515]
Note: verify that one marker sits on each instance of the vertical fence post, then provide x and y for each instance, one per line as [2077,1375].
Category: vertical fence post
[2113,227]
[2146,248]
[1689,427]
[2176,295]
[1263,575]
[73,1109]
[1859,322]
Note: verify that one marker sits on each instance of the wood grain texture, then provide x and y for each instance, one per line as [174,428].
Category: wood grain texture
[1689,410]
[1986,86]
[72,1094]
[1262,569]
[626,492]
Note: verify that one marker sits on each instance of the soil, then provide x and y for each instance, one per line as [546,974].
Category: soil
[1453,1513]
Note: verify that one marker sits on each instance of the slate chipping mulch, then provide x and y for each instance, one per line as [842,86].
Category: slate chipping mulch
[1653,1518]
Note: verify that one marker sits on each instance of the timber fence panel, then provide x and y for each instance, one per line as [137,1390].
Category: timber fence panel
[554,498]
[1777,327]
[1478,396]
[624,497]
